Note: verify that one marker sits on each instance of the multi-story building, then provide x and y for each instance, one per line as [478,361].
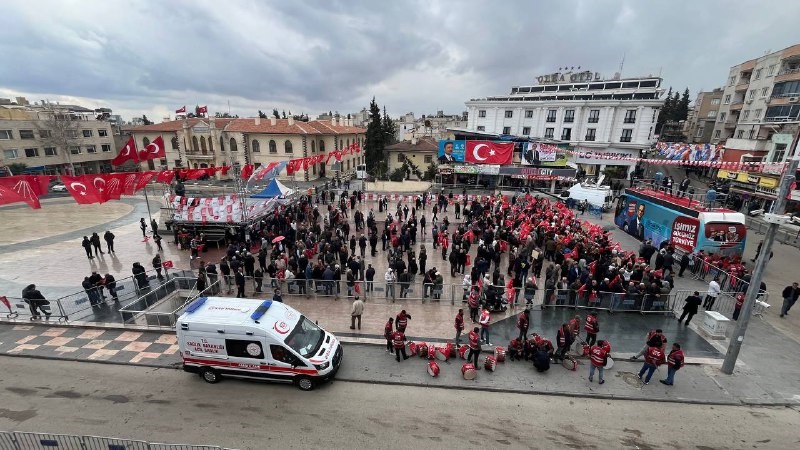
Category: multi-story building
[605,119]
[418,153]
[758,119]
[55,139]
[433,126]
[699,126]
[213,142]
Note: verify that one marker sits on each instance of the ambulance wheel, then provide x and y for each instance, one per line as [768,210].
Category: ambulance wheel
[209,375]
[304,383]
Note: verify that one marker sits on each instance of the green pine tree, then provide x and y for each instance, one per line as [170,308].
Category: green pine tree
[374,143]
[389,129]
[682,108]
[666,111]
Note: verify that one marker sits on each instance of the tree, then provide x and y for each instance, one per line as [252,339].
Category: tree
[374,143]
[398,174]
[61,131]
[430,172]
[261,115]
[17,168]
[275,113]
[146,121]
[389,129]
[666,112]
[682,107]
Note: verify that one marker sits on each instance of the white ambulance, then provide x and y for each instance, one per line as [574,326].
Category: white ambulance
[261,340]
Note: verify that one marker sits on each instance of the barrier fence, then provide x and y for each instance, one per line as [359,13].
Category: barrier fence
[786,236]
[17,440]
[156,309]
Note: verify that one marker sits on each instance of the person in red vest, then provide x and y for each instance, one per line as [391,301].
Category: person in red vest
[443,242]
[739,304]
[564,339]
[675,361]
[474,347]
[655,338]
[653,358]
[575,325]
[523,323]
[592,327]
[399,342]
[599,357]
[401,321]
[516,349]
[473,302]
[459,325]
[485,321]
[387,333]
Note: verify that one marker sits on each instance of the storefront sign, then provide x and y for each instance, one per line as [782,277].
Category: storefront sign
[537,172]
[618,157]
[486,169]
[748,180]
[732,175]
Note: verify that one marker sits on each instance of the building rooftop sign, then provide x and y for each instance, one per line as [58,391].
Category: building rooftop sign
[569,77]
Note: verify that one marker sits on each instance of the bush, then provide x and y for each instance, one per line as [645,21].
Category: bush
[398,174]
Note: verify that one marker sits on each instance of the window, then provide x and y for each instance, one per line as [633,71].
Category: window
[752,94]
[509,114]
[75,149]
[105,148]
[771,70]
[779,153]
[551,115]
[627,135]
[256,147]
[746,114]
[526,131]
[722,116]
[203,147]
[71,133]
[401,157]
[529,114]
[31,152]
[195,144]
[481,128]
[728,99]
[594,115]
[715,101]
[313,146]
[287,146]
[50,151]
[10,154]
[732,80]
[273,147]
[752,132]
[244,349]
[787,89]
[341,144]
[764,92]
[548,133]
[175,143]
[45,134]
[758,74]
[322,146]
[221,144]
[87,133]
[757,114]
[630,116]
[700,131]
[712,114]
[145,142]
[234,147]
[740,134]
[566,134]
[428,159]
[482,113]
[210,144]
[102,133]
[26,134]
[91,149]
[506,130]
[717,134]
[569,116]
[6,135]
[281,354]
[591,134]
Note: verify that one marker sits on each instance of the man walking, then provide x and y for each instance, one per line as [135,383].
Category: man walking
[675,361]
[355,313]
[459,325]
[653,358]
[599,359]
[87,246]
[95,240]
[390,279]
[712,294]
[109,238]
[690,307]
[789,294]
[157,266]
[240,282]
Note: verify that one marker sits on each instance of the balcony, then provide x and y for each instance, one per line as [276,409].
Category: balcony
[730,123]
[594,119]
[193,154]
[788,75]
[625,138]
[742,85]
[590,137]
[629,120]
[735,106]
[784,99]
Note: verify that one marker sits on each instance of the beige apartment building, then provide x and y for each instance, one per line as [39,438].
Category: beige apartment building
[703,117]
[213,142]
[55,139]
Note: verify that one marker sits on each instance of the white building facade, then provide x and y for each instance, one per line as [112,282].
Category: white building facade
[601,120]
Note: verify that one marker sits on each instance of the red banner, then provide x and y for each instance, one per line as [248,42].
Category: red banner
[8,196]
[165,176]
[29,187]
[487,152]
[153,150]
[144,178]
[127,153]
[83,190]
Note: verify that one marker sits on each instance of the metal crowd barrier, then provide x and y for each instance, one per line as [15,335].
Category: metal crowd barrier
[643,303]
[140,311]
[17,440]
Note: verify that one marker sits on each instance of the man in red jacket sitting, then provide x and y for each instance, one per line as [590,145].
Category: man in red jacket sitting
[653,358]
[599,357]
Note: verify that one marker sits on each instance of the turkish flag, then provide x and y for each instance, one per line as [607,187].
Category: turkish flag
[153,150]
[358,147]
[83,190]
[202,110]
[126,153]
[181,110]
[144,178]
[165,176]
[4,300]
[167,264]
[100,183]
[247,170]
[487,152]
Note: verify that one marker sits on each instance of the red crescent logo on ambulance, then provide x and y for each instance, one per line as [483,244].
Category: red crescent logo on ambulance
[281,327]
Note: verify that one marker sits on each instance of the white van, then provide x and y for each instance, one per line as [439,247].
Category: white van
[261,340]
[596,195]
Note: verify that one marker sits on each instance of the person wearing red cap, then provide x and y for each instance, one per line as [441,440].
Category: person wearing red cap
[599,357]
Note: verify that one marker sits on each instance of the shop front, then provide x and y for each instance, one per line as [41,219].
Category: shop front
[615,163]
[750,191]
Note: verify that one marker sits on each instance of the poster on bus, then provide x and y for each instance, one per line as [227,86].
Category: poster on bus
[684,233]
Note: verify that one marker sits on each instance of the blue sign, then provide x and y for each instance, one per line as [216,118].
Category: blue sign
[451,151]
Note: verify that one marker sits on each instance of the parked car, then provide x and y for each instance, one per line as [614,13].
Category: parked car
[58,187]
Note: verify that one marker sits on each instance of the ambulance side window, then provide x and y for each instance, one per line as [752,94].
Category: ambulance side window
[279,353]
[244,349]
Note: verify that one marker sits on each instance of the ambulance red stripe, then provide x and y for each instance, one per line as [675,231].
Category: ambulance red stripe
[258,367]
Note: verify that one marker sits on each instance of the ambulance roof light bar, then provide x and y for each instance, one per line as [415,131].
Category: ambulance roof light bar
[261,310]
[196,304]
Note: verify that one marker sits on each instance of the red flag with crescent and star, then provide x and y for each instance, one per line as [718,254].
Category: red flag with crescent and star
[153,150]
[126,153]
[165,176]
[83,189]
[486,152]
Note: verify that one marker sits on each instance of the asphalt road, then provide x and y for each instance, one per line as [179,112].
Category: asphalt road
[167,405]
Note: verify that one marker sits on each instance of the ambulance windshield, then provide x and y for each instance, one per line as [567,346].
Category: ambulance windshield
[306,338]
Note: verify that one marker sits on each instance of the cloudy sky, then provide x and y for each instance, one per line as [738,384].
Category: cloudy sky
[151,57]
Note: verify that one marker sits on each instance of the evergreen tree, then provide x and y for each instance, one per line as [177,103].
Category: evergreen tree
[374,141]
[666,111]
[389,129]
[275,113]
[146,121]
[682,108]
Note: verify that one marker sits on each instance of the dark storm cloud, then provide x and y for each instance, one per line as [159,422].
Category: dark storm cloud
[416,56]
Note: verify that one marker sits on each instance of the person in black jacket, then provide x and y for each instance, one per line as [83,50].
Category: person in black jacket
[240,283]
[109,238]
[111,284]
[789,294]
[87,246]
[690,307]
[140,275]
[36,302]
[95,240]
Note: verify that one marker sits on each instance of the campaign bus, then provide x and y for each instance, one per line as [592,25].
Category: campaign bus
[691,222]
